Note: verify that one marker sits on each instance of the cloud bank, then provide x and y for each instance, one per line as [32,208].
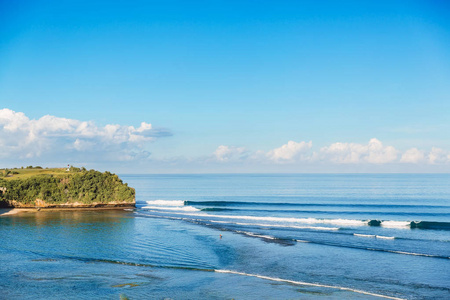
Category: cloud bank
[228,153]
[22,137]
[290,152]
[51,139]
[372,153]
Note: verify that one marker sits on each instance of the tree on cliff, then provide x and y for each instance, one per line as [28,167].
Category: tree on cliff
[83,186]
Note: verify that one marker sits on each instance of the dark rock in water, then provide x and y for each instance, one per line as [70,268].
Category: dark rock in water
[374,223]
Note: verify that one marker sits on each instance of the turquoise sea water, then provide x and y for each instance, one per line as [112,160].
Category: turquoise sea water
[242,237]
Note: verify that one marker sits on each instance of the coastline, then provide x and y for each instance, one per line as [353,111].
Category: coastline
[18,210]
[14,211]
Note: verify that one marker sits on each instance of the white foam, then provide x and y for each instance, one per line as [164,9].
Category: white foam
[288,220]
[282,226]
[182,208]
[364,235]
[257,235]
[396,224]
[411,253]
[267,237]
[385,237]
[221,222]
[344,222]
[316,228]
[307,284]
[166,202]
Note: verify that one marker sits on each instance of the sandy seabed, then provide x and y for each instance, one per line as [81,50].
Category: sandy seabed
[13,211]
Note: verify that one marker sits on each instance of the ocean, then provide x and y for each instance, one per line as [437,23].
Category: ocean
[240,236]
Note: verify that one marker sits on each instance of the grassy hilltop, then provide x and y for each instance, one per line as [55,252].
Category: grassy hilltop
[60,187]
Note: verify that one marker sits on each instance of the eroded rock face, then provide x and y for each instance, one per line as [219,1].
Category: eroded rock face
[42,204]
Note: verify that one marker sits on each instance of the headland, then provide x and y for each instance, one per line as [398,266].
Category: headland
[37,188]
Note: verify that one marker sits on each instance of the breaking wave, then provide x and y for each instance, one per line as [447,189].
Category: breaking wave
[204,207]
[307,284]
[243,203]
[167,202]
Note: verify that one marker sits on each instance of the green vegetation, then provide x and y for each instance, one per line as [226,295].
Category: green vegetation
[21,173]
[35,186]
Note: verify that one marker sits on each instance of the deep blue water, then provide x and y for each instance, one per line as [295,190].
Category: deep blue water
[314,236]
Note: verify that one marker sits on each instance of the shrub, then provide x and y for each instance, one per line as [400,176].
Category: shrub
[86,187]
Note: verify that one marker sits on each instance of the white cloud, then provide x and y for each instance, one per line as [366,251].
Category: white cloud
[379,154]
[374,152]
[438,156]
[52,138]
[227,153]
[413,156]
[290,151]
[22,137]
[82,145]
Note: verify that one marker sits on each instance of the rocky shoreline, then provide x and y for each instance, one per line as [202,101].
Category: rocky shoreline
[20,210]
[40,204]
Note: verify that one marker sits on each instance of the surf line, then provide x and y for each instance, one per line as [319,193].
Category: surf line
[307,284]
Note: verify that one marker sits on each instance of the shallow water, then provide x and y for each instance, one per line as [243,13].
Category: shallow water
[283,237]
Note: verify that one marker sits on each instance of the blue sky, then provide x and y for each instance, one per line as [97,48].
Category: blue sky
[335,86]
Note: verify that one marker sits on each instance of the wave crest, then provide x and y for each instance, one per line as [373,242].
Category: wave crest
[166,202]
